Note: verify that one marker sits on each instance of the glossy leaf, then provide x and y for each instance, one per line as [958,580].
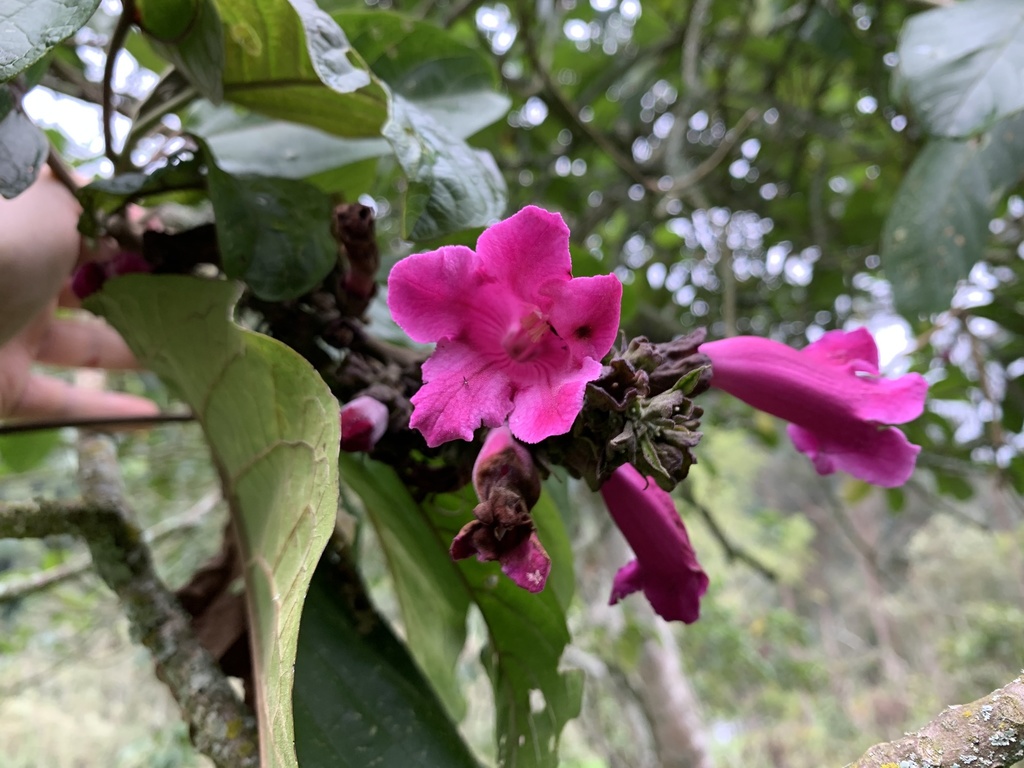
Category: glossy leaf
[189,34]
[30,28]
[272,427]
[275,234]
[328,49]
[450,185]
[961,67]
[359,698]
[938,224]
[432,598]
[527,632]
[268,69]
[23,150]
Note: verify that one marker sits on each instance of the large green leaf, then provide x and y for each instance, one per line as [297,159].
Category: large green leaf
[275,234]
[527,632]
[189,34]
[359,698]
[450,185]
[938,224]
[432,597]
[449,81]
[30,28]
[268,69]
[244,143]
[962,66]
[272,426]
[23,149]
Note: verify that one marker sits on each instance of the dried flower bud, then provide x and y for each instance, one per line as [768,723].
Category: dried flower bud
[508,486]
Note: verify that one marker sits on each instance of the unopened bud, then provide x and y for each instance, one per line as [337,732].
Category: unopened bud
[363,422]
[91,276]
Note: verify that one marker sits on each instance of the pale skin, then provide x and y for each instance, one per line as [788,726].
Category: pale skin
[39,248]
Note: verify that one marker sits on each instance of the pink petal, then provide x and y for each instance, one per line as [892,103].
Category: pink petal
[880,456]
[843,347]
[666,566]
[461,391]
[544,409]
[528,565]
[586,313]
[891,401]
[627,581]
[429,293]
[527,250]
[780,380]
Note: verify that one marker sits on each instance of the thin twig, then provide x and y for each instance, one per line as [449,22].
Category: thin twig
[61,170]
[221,725]
[117,38]
[712,161]
[17,588]
[120,422]
[732,550]
[570,113]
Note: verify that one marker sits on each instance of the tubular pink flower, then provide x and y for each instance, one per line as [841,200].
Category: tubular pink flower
[832,393]
[364,421]
[666,567]
[518,337]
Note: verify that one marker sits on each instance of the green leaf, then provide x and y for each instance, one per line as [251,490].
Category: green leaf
[431,595]
[272,426]
[243,142]
[275,234]
[359,698]
[328,48]
[31,28]
[268,69]
[189,34]
[938,225]
[527,632]
[452,82]
[23,150]
[24,452]
[962,66]
[450,186]
[104,197]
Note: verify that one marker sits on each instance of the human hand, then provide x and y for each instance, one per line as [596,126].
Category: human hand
[39,247]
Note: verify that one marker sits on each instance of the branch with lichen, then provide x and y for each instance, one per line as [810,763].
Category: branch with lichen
[221,725]
[988,732]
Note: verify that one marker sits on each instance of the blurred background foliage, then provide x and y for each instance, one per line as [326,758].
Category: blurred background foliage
[755,166]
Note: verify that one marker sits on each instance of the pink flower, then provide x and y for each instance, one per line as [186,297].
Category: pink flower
[834,397]
[508,486]
[363,422]
[518,337]
[91,276]
[666,566]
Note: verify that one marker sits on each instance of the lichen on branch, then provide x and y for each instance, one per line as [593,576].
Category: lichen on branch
[987,733]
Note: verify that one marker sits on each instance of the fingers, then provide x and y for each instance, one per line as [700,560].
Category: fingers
[39,247]
[84,342]
[48,398]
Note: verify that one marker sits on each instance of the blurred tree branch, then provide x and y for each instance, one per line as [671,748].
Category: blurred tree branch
[986,732]
[221,725]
